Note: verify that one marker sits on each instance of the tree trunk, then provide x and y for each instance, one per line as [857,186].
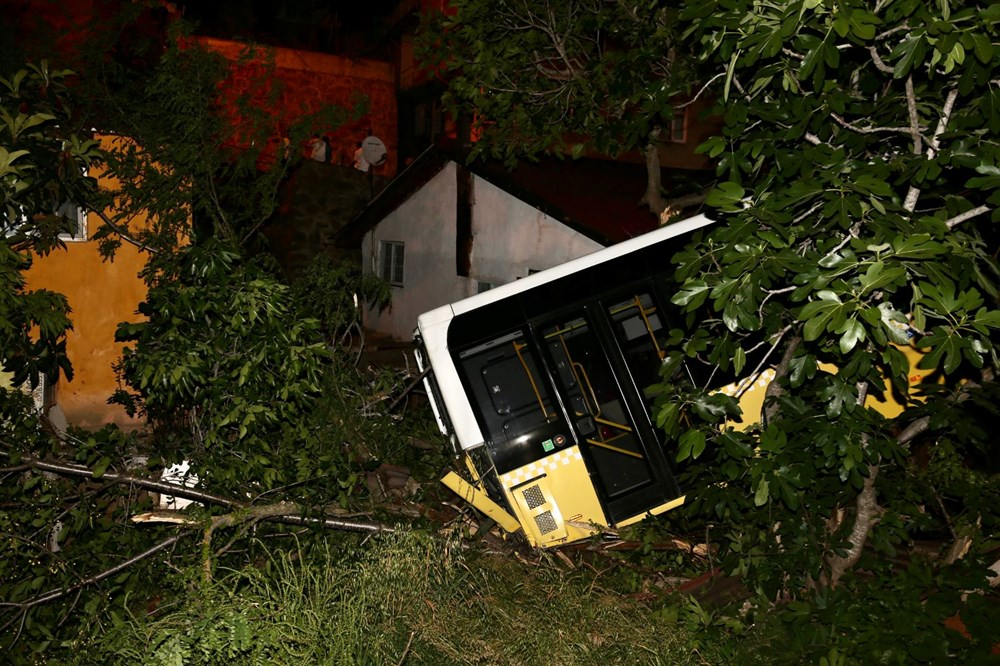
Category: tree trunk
[653,198]
[866,511]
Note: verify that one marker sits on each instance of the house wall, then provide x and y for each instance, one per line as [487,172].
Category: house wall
[509,239]
[101,294]
[426,224]
[699,125]
[314,81]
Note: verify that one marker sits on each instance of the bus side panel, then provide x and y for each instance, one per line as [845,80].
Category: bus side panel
[554,499]
[433,328]
[753,390]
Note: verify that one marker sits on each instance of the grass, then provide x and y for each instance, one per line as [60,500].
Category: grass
[405,599]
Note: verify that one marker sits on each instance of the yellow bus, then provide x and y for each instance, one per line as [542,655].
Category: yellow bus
[542,387]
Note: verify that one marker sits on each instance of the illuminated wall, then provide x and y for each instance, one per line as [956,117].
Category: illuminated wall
[311,81]
[101,294]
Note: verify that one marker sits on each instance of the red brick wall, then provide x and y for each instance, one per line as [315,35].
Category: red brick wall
[311,81]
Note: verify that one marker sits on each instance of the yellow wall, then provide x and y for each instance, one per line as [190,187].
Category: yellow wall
[101,294]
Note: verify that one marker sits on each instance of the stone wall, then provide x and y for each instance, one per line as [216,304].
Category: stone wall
[317,200]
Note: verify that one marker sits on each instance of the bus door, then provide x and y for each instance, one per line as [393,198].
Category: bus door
[590,353]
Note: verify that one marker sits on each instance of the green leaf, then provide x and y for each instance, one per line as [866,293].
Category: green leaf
[730,71]
[739,360]
[773,440]
[838,395]
[863,24]
[693,293]
[878,276]
[101,467]
[691,444]
[822,315]
[983,48]
[917,246]
[813,55]
[762,494]
[726,195]
[713,146]
[854,332]
[908,54]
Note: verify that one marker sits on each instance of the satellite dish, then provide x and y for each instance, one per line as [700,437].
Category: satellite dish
[373,150]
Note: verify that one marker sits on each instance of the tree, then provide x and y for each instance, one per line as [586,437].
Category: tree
[43,165]
[859,173]
[562,77]
[203,135]
[858,156]
[231,366]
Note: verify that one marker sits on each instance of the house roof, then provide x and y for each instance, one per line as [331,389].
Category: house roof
[598,198]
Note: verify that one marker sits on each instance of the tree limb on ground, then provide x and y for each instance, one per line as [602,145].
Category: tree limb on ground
[284,512]
[24,606]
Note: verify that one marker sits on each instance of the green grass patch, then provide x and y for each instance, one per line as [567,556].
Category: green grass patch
[404,599]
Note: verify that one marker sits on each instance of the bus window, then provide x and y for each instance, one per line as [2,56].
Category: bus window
[641,334]
[512,401]
[602,421]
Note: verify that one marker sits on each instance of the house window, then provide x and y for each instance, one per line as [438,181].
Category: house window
[485,286]
[678,126]
[78,221]
[75,215]
[392,262]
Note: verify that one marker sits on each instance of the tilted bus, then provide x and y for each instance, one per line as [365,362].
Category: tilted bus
[545,387]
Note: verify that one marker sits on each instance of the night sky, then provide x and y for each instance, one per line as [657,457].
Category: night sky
[333,26]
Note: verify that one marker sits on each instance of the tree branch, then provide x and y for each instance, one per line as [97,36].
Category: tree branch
[911,109]
[23,606]
[286,512]
[866,509]
[868,130]
[653,198]
[967,215]
[910,203]
[68,469]
[123,234]
[700,91]
[879,64]
[774,389]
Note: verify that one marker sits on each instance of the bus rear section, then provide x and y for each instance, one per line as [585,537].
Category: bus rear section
[546,388]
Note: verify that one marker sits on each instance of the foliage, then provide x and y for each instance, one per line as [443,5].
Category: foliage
[333,292]
[224,367]
[917,615]
[203,134]
[300,449]
[599,75]
[856,218]
[53,531]
[43,165]
[225,353]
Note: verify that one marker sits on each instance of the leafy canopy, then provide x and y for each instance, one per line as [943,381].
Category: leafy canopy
[858,211]
[44,161]
[544,76]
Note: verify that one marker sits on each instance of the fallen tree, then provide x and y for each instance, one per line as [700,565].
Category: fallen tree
[857,202]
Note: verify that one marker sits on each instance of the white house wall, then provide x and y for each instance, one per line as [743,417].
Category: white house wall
[425,222]
[510,238]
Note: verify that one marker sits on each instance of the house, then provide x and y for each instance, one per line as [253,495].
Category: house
[444,230]
[101,294]
[294,84]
